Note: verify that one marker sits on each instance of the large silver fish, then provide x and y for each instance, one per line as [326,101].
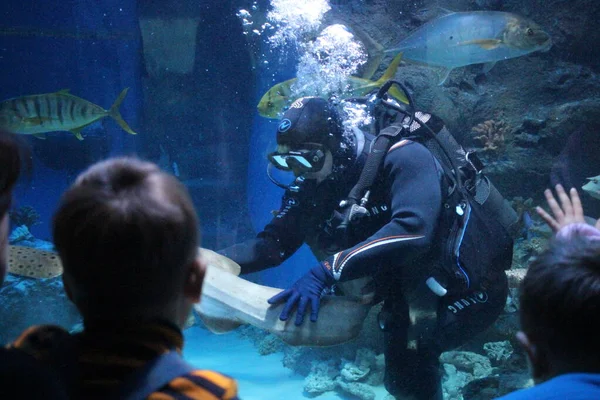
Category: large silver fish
[463,38]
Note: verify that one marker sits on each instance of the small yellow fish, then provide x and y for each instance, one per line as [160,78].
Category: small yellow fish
[273,103]
[60,111]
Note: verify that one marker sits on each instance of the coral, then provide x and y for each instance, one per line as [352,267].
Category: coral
[25,215]
[453,382]
[473,363]
[357,389]
[269,344]
[375,378]
[351,372]
[491,134]
[521,205]
[294,356]
[255,335]
[322,377]
[365,365]
[365,358]
[535,245]
[498,351]
[19,234]
[327,373]
[515,277]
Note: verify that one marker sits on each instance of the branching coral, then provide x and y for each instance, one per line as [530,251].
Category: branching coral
[25,215]
[491,134]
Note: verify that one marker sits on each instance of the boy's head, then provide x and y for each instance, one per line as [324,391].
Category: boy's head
[560,303]
[127,235]
[10,168]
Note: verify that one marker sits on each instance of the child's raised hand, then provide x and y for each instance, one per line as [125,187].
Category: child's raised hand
[569,211]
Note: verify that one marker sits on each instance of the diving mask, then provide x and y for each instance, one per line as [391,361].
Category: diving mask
[309,159]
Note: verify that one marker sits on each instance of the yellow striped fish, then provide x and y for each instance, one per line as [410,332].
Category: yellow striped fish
[274,102]
[60,111]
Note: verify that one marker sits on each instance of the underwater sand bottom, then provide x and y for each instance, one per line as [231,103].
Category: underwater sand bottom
[259,377]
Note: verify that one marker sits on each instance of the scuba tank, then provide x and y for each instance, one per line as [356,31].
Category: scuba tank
[477,222]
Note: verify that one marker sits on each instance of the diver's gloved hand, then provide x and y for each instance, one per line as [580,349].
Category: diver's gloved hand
[307,289]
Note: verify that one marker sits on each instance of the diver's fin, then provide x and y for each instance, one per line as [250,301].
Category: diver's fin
[116,115]
[40,136]
[488,66]
[487,44]
[444,75]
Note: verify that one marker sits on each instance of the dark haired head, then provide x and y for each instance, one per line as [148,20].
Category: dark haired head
[126,233]
[12,154]
[560,303]
[310,120]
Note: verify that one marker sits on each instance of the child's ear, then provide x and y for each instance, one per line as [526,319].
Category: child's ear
[526,345]
[538,362]
[195,278]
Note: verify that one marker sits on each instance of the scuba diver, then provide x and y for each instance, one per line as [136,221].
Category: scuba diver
[394,231]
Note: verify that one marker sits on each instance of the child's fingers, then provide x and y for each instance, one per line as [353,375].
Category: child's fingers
[554,207]
[548,218]
[565,201]
[577,207]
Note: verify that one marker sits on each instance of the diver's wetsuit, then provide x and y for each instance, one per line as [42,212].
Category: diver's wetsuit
[396,244]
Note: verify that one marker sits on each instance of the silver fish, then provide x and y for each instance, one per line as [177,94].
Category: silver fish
[464,38]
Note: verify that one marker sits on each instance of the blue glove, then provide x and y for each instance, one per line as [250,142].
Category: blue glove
[306,289]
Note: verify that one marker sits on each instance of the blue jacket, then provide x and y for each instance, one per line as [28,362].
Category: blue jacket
[563,387]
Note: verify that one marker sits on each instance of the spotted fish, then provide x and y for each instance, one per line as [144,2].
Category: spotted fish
[33,263]
[60,111]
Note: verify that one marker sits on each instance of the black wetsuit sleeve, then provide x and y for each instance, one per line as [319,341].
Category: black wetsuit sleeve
[278,240]
[414,182]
